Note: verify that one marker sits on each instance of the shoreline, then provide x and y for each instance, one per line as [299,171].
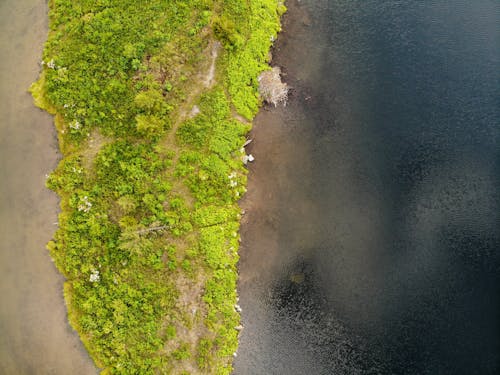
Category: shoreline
[35,330]
[280,301]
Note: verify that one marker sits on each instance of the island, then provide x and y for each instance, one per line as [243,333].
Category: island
[152,102]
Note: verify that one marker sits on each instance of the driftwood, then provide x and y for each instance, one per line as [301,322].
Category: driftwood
[152,229]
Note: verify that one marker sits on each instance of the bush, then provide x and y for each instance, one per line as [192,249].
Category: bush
[149,126]
[225,30]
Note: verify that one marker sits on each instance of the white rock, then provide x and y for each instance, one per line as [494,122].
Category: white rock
[194,111]
[75,125]
[51,64]
[84,205]
[94,276]
[247,158]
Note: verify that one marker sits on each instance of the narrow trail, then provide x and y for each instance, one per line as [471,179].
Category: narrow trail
[191,291]
[208,79]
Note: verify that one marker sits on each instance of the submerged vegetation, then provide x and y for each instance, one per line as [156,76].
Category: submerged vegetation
[152,171]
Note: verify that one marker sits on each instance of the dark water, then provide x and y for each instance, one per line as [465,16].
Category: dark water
[35,337]
[372,239]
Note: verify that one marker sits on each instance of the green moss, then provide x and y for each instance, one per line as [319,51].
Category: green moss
[148,195]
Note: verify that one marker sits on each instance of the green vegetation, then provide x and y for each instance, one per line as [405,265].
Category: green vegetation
[148,232]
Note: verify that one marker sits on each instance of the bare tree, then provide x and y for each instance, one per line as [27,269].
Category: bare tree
[271,88]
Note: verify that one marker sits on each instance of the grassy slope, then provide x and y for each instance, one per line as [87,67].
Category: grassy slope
[148,232]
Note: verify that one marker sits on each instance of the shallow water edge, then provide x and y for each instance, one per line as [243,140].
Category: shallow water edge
[35,335]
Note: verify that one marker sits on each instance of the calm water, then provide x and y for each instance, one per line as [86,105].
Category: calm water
[35,337]
[372,239]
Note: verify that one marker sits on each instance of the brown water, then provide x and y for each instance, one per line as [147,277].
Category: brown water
[35,337]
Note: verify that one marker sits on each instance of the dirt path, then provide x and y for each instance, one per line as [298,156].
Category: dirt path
[208,79]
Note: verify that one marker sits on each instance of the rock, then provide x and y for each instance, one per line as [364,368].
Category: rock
[194,111]
[247,158]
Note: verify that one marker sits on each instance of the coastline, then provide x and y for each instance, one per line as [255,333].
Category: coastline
[174,249]
[271,125]
[36,336]
[280,144]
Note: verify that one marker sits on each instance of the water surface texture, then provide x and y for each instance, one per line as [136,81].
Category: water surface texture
[35,337]
[371,242]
